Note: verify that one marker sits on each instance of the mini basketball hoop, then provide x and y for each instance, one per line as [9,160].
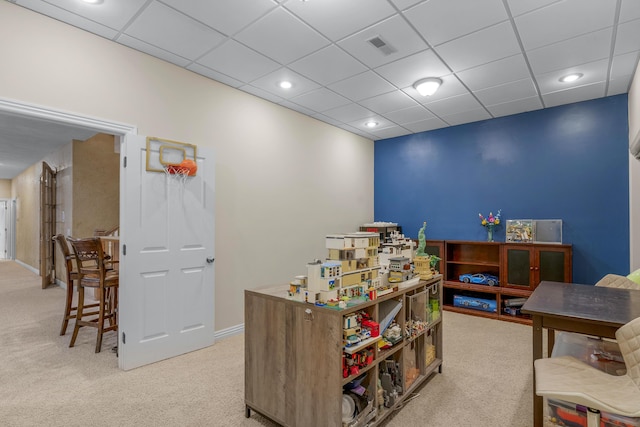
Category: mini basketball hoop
[180,172]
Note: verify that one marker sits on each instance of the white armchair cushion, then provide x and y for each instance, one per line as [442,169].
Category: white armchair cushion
[567,378]
[617,281]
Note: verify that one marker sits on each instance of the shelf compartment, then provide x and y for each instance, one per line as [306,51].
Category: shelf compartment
[358,406]
[390,374]
[472,287]
[413,362]
[473,252]
[417,314]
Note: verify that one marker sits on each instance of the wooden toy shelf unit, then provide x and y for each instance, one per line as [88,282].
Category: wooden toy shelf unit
[520,267]
[295,355]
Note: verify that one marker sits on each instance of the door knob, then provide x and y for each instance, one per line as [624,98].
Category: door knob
[210,259]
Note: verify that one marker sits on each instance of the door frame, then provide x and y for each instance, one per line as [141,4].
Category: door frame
[118,130]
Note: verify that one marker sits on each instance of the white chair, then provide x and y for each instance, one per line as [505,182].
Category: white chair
[617,281]
[569,379]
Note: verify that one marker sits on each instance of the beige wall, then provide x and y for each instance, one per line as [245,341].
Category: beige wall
[96,185]
[26,191]
[5,188]
[283,180]
[634,173]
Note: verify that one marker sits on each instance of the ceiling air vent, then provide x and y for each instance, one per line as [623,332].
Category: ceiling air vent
[382,46]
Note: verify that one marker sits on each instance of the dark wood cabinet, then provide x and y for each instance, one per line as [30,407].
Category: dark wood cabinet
[526,265]
[519,267]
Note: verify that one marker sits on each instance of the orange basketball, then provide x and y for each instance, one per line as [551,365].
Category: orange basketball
[190,165]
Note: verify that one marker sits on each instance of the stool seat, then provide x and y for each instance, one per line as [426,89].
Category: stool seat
[567,378]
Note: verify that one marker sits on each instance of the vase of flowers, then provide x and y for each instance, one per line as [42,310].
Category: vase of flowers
[490,223]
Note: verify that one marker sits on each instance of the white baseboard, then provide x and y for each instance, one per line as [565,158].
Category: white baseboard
[229,332]
[28,267]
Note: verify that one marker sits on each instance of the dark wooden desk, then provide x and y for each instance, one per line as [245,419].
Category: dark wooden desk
[591,310]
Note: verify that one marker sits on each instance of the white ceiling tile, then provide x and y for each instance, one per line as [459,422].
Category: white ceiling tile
[579,50]
[339,18]
[619,85]
[328,65]
[348,113]
[271,81]
[560,22]
[624,65]
[425,125]
[261,93]
[442,20]
[321,46]
[208,72]
[451,86]
[405,72]
[515,107]
[481,47]
[578,94]
[404,4]
[297,107]
[390,132]
[507,92]
[382,124]
[70,18]
[234,59]
[320,100]
[518,7]
[467,117]
[494,73]
[453,105]
[395,32]
[362,86]
[114,13]
[167,29]
[630,10]
[409,115]
[592,72]
[226,16]
[272,36]
[628,37]
[328,119]
[391,101]
[152,50]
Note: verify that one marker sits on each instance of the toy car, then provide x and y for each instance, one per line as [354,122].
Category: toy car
[475,303]
[480,279]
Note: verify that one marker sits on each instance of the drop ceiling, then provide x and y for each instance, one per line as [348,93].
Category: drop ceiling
[494,57]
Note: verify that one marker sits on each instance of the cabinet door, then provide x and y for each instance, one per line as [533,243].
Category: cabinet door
[265,355]
[553,264]
[520,267]
[314,366]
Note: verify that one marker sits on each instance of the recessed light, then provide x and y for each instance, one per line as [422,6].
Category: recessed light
[371,124]
[93,1]
[285,84]
[570,77]
[428,86]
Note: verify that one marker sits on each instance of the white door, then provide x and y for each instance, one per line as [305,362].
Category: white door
[3,228]
[166,296]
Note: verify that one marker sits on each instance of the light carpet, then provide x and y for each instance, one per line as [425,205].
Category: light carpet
[486,379]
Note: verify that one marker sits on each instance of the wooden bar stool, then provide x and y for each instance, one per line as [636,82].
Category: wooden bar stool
[72,277]
[96,272]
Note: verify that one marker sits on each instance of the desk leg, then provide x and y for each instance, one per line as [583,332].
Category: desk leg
[551,341]
[537,354]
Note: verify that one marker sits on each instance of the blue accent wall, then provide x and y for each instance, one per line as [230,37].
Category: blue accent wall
[569,162]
